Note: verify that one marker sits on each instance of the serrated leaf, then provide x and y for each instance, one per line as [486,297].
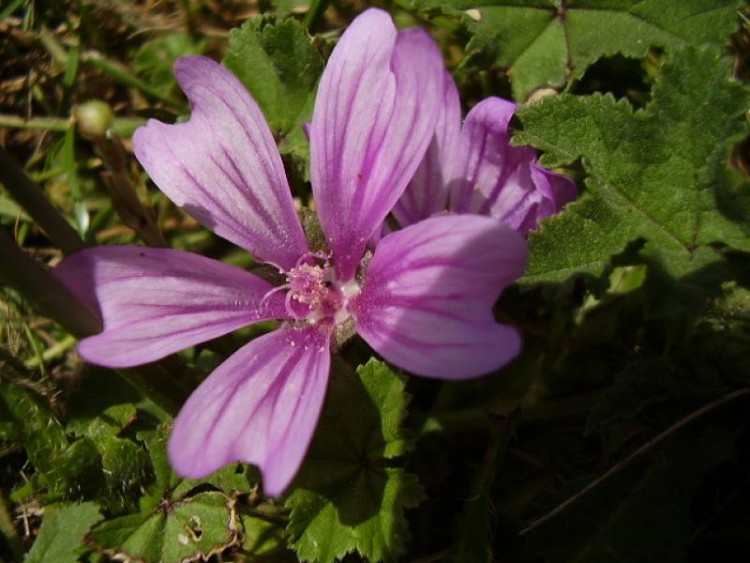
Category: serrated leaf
[31,420]
[63,528]
[184,530]
[231,479]
[179,520]
[109,423]
[651,173]
[547,43]
[279,66]
[347,496]
[77,472]
[124,463]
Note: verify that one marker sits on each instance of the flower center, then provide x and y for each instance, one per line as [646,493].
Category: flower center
[313,293]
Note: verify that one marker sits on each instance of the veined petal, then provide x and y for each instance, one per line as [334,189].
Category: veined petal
[427,297]
[442,165]
[223,167]
[374,117]
[155,301]
[260,406]
[485,162]
[504,181]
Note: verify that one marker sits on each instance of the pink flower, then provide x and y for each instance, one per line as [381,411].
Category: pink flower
[474,169]
[423,301]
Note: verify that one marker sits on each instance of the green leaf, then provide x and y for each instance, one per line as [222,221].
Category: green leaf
[261,537]
[183,530]
[652,173]
[547,43]
[280,67]
[124,463]
[348,495]
[109,423]
[179,520]
[63,529]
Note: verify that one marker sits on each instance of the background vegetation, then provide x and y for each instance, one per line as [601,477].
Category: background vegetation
[620,434]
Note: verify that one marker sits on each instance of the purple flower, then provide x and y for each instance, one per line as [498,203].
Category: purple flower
[474,169]
[423,300]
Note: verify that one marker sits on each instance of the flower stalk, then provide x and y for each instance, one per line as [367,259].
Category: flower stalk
[33,200]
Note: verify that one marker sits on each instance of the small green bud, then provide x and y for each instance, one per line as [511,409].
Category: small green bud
[93,118]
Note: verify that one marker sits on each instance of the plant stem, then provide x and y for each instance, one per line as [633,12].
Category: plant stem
[59,349]
[58,124]
[33,200]
[45,293]
[316,11]
[122,74]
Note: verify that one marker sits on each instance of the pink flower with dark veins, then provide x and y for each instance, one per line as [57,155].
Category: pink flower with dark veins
[423,300]
[472,168]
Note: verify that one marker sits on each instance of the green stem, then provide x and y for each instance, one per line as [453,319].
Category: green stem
[121,126]
[45,293]
[315,13]
[122,74]
[53,352]
[33,200]
[44,123]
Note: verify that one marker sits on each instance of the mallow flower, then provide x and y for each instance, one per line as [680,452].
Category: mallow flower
[422,298]
[472,168]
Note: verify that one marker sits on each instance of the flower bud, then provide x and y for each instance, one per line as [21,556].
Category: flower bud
[93,118]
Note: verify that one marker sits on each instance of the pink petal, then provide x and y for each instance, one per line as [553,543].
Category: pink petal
[486,159]
[154,302]
[502,180]
[427,193]
[427,298]
[374,117]
[260,406]
[223,167]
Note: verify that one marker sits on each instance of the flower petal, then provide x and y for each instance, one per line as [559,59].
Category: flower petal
[260,406]
[155,301]
[374,117]
[485,133]
[427,193]
[223,167]
[427,297]
[504,181]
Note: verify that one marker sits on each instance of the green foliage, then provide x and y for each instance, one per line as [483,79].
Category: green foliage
[349,496]
[278,63]
[620,434]
[650,501]
[63,528]
[185,529]
[548,43]
[154,59]
[651,174]
[179,520]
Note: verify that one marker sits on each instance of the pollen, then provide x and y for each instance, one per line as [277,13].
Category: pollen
[314,295]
